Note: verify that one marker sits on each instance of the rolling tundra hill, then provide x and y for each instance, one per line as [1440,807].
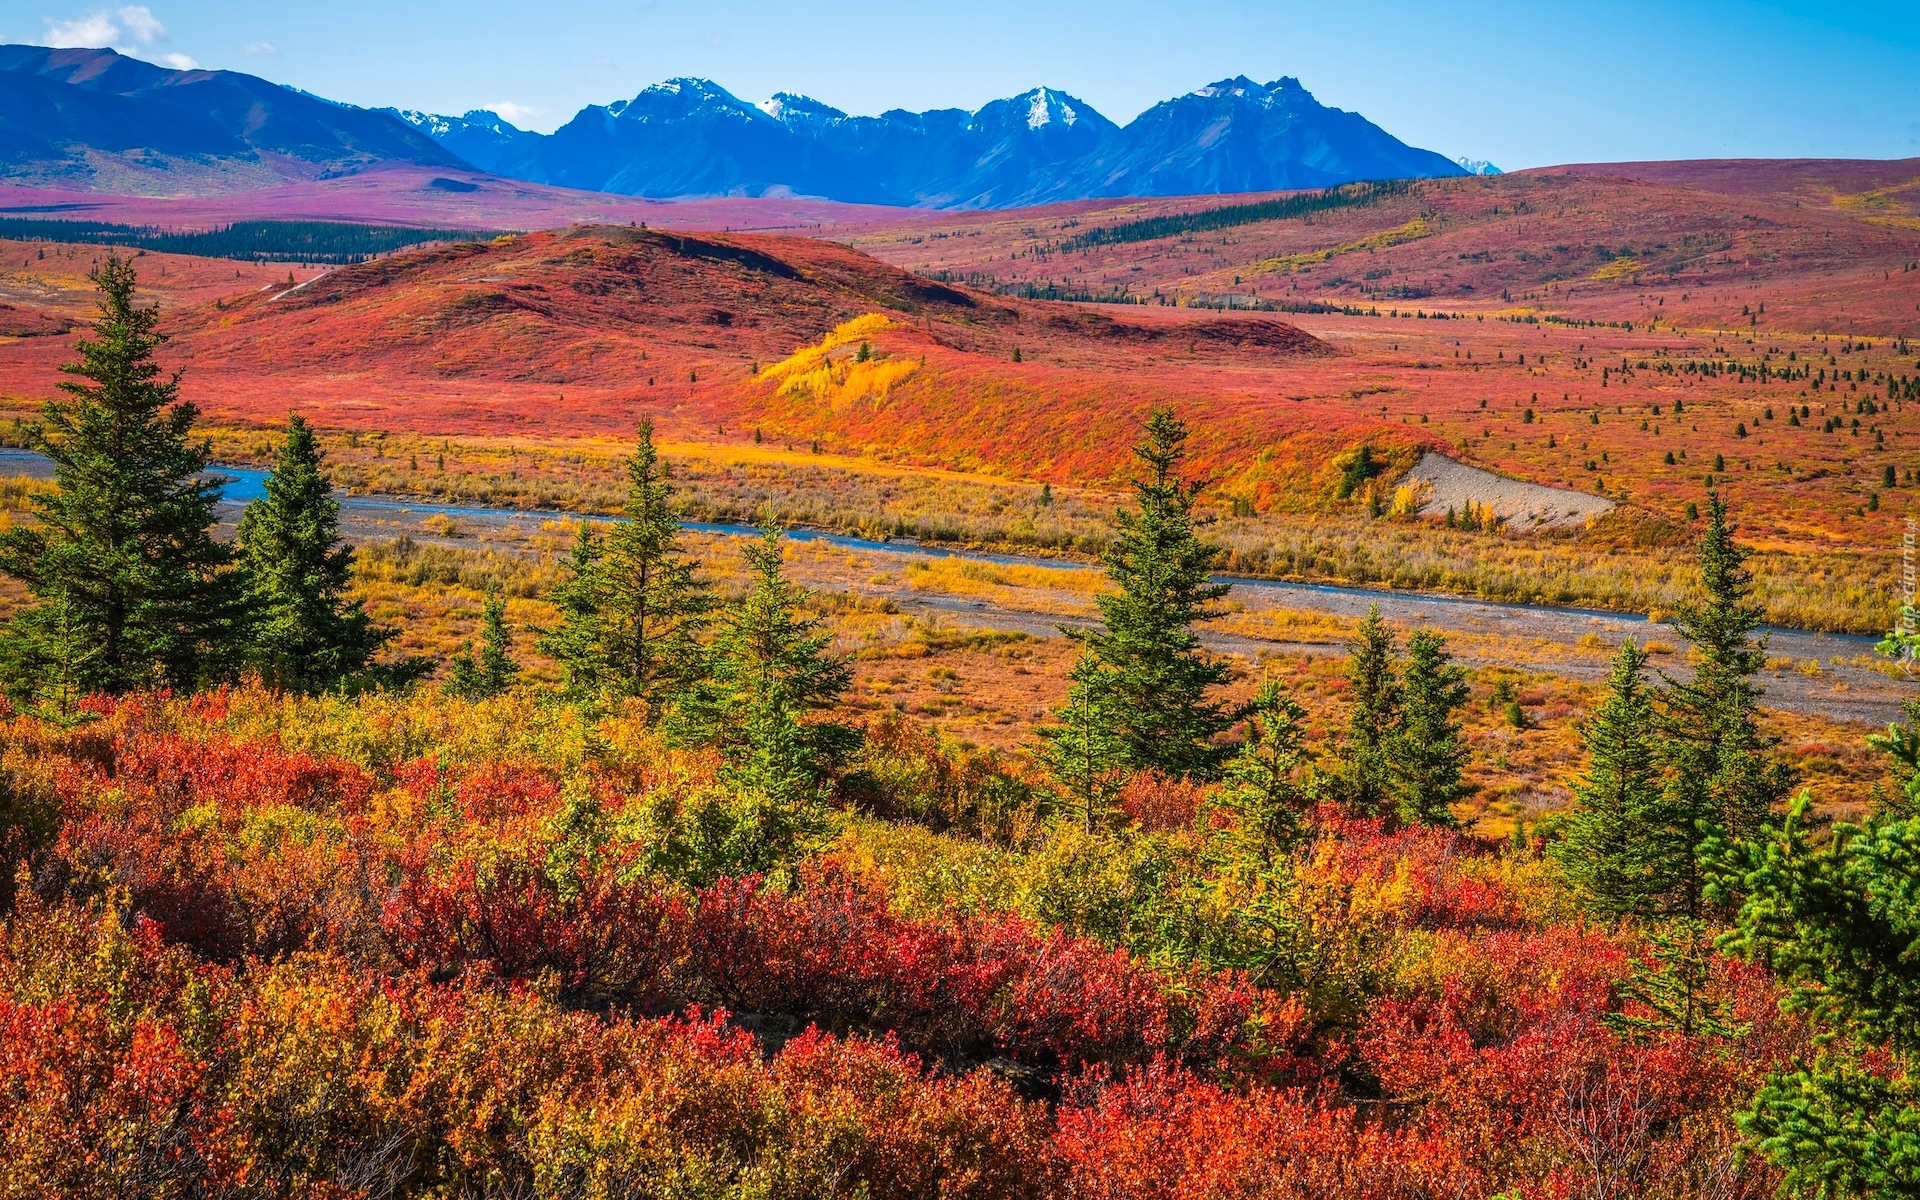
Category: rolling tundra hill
[1815,247]
[439,197]
[581,330]
[1896,180]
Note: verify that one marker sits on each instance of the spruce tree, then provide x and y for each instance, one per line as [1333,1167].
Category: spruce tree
[1714,715]
[1722,778]
[61,651]
[769,671]
[1373,714]
[1673,982]
[1833,917]
[305,634]
[1427,753]
[493,671]
[653,607]
[134,591]
[1619,839]
[1264,790]
[1084,757]
[579,643]
[1901,744]
[1142,674]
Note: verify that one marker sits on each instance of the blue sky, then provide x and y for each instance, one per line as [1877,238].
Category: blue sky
[1521,84]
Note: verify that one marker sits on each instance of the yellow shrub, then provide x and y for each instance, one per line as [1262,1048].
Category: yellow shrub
[828,373]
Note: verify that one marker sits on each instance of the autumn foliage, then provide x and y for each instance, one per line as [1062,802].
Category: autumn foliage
[441,960]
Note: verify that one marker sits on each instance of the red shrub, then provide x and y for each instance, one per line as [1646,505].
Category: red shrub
[600,940]
[150,1076]
[1160,1133]
[1156,802]
[170,773]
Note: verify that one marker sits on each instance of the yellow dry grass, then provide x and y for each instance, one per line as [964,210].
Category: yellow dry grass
[832,374]
[1624,267]
[1413,230]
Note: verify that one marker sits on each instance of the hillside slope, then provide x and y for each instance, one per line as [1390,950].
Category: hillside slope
[1623,339]
[99,120]
[1824,247]
[581,330]
[582,303]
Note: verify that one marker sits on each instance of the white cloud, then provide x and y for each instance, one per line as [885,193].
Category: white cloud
[132,29]
[96,29]
[142,25]
[515,114]
[263,47]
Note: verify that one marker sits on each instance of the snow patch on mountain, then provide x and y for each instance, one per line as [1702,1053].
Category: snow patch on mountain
[430,124]
[1045,107]
[1265,95]
[678,99]
[795,111]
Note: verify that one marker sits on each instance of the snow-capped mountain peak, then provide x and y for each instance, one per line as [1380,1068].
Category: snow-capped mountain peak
[792,109]
[1239,87]
[677,99]
[1046,106]
[1265,95]
[1045,113]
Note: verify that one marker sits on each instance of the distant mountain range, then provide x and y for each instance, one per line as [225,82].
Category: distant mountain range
[98,120]
[691,137]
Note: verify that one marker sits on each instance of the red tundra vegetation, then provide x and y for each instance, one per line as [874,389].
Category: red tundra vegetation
[463,951]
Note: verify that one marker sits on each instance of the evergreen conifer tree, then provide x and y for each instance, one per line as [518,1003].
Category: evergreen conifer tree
[653,607]
[493,671]
[1142,677]
[62,650]
[769,670]
[1373,716]
[1619,836]
[1901,744]
[305,635]
[1834,917]
[1721,777]
[134,591]
[1084,757]
[1712,717]
[579,643]
[1264,788]
[1673,984]
[1426,753]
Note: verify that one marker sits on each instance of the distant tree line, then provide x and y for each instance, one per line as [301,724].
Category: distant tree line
[1045,289]
[1148,229]
[332,242]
